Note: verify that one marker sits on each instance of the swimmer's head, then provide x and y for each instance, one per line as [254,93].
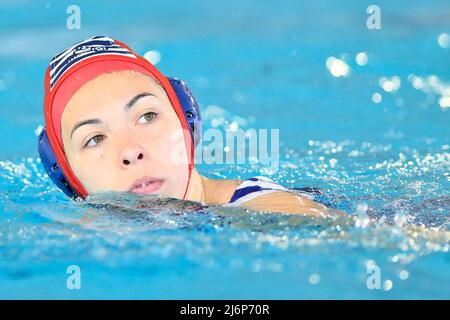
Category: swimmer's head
[115,123]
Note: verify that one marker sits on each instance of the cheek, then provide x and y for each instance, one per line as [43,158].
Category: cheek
[94,172]
[171,148]
[171,156]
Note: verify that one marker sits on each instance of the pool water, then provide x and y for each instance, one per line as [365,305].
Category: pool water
[376,141]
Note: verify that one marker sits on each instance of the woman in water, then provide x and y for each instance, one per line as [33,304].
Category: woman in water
[113,122]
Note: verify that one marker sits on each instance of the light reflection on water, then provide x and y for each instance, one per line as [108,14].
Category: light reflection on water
[395,228]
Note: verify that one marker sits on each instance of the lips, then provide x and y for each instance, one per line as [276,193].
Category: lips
[146,185]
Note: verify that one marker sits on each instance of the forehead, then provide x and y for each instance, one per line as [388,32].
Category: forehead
[116,83]
[109,89]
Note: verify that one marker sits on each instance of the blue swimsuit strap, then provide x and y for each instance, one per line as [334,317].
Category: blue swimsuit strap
[254,187]
[243,191]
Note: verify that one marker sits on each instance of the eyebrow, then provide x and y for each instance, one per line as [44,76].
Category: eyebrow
[128,106]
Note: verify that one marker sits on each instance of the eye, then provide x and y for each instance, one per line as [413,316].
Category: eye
[94,141]
[147,117]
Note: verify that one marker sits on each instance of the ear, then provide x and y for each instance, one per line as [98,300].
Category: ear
[190,107]
[52,166]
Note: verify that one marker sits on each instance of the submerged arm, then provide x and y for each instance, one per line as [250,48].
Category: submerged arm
[289,202]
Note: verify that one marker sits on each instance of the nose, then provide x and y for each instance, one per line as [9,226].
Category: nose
[132,156]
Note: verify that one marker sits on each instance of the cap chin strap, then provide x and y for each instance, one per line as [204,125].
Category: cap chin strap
[191,111]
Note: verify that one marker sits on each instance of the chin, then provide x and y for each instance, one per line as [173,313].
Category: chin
[177,194]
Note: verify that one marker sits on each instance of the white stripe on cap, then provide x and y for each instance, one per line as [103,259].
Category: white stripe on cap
[81,51]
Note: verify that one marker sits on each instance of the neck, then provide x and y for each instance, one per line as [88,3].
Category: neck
[196,189]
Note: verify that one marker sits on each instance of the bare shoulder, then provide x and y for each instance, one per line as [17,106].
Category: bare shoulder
[289,202]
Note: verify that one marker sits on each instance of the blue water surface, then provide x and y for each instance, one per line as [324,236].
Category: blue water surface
[376,140]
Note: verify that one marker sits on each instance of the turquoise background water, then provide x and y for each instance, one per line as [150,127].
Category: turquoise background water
[261,65]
